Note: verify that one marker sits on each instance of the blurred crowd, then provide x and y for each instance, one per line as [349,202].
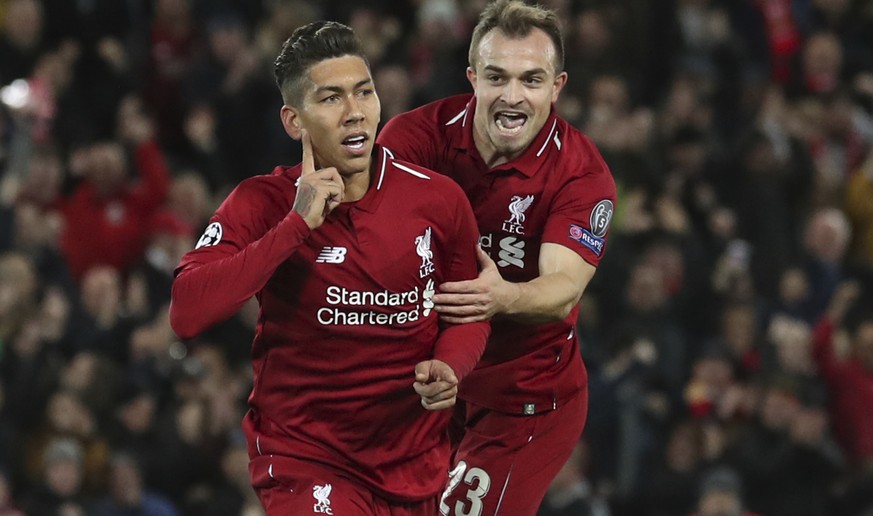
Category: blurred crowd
[728,333]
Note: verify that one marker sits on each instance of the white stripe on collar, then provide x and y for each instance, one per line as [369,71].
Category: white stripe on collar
[385,154]
[458,116]
[548,139]
[404,168]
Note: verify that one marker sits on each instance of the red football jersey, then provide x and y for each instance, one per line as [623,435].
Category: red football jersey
[345,314]
[560,191]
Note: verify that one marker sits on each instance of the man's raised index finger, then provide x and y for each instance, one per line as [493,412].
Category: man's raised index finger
[308,161]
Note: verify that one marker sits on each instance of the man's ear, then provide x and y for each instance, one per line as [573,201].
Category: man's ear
[291,121]
[559,83]
[471,76]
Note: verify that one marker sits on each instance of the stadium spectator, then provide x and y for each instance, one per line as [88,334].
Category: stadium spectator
[106,218]
[127,495]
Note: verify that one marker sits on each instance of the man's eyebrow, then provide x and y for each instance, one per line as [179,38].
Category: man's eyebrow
[339,89]
[526,73]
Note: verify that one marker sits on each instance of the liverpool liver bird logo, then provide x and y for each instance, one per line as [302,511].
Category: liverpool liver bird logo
[517,207]
[422,247]
[322,499]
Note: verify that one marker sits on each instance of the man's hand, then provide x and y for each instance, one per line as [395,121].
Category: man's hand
[844,297]
[133,124]
[436,383]
[318,191]
[476,300]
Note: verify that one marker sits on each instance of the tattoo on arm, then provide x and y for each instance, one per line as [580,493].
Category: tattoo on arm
[304,199]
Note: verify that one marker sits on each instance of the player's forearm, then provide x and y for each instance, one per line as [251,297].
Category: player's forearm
[207,293]
[461,346]
[547,298]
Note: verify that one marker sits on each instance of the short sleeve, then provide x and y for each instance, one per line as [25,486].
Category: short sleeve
[582,211]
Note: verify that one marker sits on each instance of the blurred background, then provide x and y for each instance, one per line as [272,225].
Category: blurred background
[728,333]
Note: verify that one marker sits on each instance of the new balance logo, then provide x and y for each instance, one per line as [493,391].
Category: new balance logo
[332,255]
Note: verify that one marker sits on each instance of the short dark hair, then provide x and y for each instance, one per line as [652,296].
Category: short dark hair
[516,19]
[308,45]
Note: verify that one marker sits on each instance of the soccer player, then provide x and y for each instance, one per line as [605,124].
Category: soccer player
[543,198]
[352,365]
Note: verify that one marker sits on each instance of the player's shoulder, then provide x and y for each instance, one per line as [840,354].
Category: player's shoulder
[416,176]
[578,153]
[434,117]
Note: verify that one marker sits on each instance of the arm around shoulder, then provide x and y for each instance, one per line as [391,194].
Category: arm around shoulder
[552,295]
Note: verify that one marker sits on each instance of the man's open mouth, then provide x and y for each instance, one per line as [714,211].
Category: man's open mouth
[355,142]
[510,121]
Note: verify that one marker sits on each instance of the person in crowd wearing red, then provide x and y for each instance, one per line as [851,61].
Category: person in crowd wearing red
[106,219]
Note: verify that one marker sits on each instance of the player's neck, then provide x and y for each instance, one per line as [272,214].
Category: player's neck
[356,185]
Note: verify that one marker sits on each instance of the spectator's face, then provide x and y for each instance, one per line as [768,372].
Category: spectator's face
[720,503]
[64,477]
[395,85]
[227,42]
[67,414]
[235,465]
[79,372]
[138,414]
[24,22]
[101,287]
[44,178]
[646,291]
[793,287]
[684,448]
[189,198]
[864,344]
[341,111]
[715,372]
[126,484]
[17,283]
[172,9]
[779,409]
[822,55]
[738,328]
[515,85]
[610,93]
[827,235]
[106,169]
[593,34]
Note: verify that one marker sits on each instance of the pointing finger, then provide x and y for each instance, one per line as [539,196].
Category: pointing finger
[308,160]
